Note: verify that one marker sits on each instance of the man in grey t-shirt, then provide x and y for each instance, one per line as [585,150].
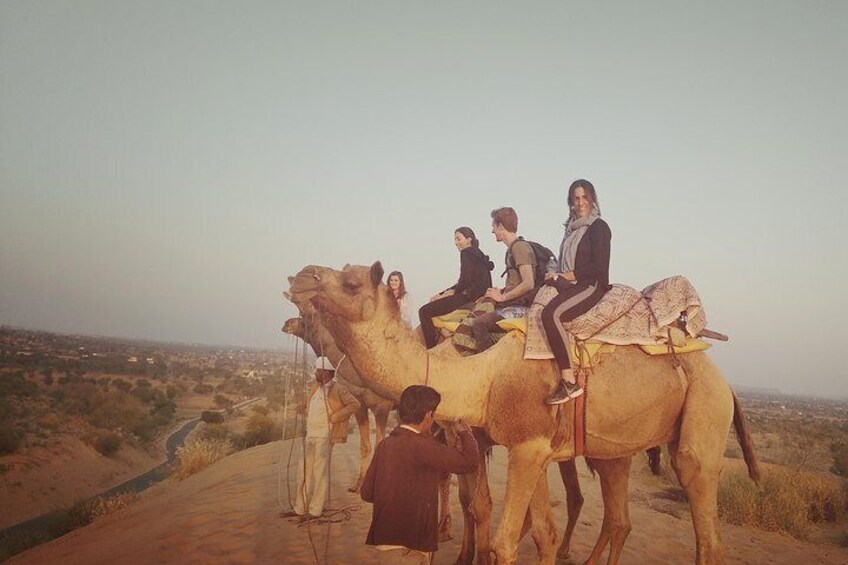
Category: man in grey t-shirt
[520,280]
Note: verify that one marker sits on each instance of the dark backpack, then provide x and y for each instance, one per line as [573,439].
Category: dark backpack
[543,256]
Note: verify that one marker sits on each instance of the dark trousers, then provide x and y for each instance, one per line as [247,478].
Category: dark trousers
[572,301]
[437,308]
[484,325]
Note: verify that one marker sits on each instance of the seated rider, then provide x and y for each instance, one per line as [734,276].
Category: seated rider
[582,279]
[475,276]
[520,280]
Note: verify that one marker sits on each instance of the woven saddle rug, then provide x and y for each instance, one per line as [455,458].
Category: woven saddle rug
[624,316]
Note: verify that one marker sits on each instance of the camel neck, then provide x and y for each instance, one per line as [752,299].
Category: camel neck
[389,359]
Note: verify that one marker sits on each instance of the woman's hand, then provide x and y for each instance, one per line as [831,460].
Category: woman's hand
[551,276]
[494,294]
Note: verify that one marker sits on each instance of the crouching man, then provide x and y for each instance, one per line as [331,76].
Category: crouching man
[403,480]
[328,412]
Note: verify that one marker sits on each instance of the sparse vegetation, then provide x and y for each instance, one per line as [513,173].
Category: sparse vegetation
[261,429]
[212,417]
[839,450]
[791,502]
[198,454]
[107,443]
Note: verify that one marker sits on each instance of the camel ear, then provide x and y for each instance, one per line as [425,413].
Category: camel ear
[376,273]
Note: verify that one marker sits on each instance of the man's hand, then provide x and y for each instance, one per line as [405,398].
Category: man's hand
[551,276]
[460,426]
[569,276]
[494,294]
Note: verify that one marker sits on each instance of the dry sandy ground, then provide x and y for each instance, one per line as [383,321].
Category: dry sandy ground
[67,470]
[48,478]
[228,514]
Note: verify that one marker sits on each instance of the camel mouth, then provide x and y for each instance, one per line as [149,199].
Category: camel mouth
[303,287]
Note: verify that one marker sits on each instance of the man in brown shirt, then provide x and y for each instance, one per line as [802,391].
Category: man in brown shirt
[403,480]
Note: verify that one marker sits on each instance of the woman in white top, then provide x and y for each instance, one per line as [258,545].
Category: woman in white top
[404,301]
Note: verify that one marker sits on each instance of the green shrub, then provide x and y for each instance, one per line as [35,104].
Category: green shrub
[260,429]
[16,385]
[203,389]
[222,401]
[108,444]
[211,417]
[11,439]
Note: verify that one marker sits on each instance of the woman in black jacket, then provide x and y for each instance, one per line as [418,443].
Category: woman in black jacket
[582,278]
[475,276]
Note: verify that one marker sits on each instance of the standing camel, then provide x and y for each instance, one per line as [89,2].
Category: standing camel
[635,401]
[475,498]
[322,344]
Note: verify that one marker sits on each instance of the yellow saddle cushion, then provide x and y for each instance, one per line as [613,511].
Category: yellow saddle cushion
[590,349]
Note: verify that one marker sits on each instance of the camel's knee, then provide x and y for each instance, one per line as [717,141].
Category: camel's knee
[686,464]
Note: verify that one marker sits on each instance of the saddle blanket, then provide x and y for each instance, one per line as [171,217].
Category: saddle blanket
[624,316]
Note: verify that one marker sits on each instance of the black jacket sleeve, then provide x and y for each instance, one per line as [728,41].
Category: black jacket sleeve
[595,265]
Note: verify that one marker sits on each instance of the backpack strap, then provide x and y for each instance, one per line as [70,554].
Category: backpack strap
[509,256]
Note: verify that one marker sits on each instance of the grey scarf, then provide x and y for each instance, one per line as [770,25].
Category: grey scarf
[574,230]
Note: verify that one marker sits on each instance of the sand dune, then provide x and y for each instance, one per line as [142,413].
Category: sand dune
[228,514]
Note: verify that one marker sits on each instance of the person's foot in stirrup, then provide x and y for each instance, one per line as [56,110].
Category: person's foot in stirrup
[565,391]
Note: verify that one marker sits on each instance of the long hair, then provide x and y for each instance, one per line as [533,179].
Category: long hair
[589,189]
[468,233]
[401,288]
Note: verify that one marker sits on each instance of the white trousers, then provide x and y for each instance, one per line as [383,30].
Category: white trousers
[314,477]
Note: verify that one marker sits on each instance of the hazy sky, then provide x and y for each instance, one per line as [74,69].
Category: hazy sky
[165,165]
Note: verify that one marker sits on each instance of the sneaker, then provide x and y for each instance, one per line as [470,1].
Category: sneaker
[564,392]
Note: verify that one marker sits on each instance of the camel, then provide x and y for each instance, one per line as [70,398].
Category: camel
[322,344]
[635,402]
[474,489]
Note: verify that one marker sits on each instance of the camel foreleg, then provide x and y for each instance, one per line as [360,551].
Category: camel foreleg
[574,503]
[364,445]
[614,475]
[544,528]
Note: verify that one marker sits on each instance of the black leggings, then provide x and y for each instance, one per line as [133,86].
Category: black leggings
[437,308]
[572,301]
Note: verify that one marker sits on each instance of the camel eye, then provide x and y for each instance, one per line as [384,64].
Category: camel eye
[351,286]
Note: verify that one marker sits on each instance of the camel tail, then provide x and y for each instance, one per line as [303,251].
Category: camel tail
[745,441]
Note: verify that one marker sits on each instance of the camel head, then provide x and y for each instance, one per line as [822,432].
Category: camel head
[354,294]
[294,326]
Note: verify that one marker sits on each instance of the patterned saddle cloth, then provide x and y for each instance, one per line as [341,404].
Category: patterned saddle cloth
[624,316]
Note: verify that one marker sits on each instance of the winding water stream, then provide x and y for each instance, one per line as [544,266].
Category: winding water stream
[40,524]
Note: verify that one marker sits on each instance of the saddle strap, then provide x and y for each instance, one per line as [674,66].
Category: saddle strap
[580,414]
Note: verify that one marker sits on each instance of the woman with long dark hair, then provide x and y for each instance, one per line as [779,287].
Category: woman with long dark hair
[397,288]
[475,276]
[582,278]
